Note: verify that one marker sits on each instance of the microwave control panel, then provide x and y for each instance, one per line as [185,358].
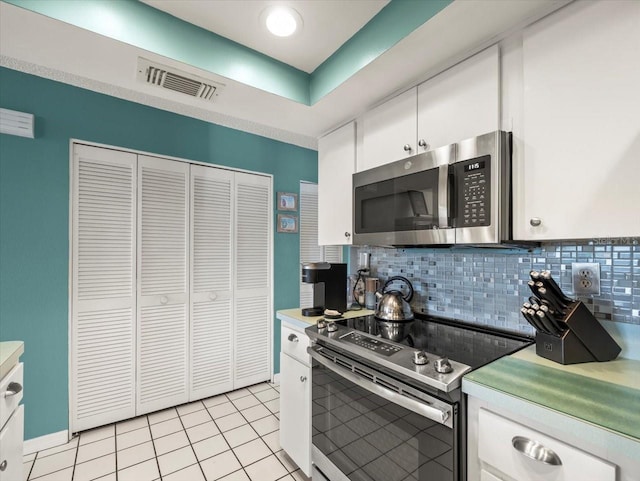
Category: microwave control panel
[473,192]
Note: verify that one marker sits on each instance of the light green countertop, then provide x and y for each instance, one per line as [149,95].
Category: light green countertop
[10,352]
[605,394]
[294,316]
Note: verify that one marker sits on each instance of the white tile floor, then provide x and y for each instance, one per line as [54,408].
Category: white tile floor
[231,437]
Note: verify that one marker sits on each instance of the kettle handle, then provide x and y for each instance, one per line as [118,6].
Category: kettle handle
[409,296]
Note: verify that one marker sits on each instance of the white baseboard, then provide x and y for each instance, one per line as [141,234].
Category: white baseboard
[45,442]
[276,379]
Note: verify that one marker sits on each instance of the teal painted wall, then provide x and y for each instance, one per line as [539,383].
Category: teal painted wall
[34,214]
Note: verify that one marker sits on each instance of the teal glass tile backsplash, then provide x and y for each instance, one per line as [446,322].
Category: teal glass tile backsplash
[488,286]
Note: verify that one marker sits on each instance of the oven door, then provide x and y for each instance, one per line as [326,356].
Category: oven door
[404,202]
[370,427]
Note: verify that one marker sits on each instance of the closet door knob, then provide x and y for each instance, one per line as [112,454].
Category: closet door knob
[213,296]
[164,300]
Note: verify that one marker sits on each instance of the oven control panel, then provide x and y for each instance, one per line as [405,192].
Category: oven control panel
[373,344]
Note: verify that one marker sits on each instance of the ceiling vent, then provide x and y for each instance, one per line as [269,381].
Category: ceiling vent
[173,79]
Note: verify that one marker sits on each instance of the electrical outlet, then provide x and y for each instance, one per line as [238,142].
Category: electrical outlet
[586,278]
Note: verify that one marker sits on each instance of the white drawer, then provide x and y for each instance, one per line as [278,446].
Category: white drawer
[495,447]
[11,447]
[295,343]
[12,382]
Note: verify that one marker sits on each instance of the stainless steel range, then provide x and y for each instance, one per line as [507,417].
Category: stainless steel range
[387,411]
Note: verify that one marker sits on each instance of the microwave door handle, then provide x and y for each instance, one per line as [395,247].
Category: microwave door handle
[453,198]
[443,195]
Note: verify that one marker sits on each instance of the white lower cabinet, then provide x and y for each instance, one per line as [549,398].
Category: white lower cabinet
[11,422]
[11,447]
[512,451]
[295,398]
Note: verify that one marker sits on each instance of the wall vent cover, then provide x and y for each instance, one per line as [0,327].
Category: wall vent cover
[173,79]
[16,123]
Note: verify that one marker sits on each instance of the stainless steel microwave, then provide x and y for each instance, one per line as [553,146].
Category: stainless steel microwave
[457,194]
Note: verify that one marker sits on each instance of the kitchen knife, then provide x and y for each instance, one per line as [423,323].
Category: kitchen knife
[554,302]
[530,320]
[536,290]
[532,286]
[551,285]
[541,327]
[551,315]
[546,321]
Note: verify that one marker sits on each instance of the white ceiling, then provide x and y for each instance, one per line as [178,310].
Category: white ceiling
[327,25]
[39,45]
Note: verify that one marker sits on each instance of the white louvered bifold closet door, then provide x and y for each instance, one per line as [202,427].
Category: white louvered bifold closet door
[211,281]
[103,307]
[163,241]
[310,251]
[253,274]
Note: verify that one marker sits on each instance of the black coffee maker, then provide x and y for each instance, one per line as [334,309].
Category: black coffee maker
[329,287]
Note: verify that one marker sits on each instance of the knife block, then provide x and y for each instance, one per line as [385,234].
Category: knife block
[585,340]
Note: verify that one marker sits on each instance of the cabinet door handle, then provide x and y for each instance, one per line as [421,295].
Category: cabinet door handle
[3,465]
[303,378]
[534,450]
[347,234]
[12,389]
[423,143]
[293,338]
[407,148]
[535,221]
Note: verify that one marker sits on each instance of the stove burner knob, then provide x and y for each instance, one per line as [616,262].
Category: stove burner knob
[332,327]
[420,358]
[442,365]
[322,324]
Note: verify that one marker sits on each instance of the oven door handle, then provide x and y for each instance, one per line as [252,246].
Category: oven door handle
[441,416]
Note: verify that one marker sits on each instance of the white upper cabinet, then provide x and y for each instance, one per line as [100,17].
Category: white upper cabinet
[336,165]
[581,172]
[461,102]
[389,131]
[457,104]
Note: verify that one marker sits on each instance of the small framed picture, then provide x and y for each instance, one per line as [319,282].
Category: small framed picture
[287,201]
[287,223]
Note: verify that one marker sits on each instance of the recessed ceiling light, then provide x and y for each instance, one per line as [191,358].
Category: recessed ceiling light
[282,21]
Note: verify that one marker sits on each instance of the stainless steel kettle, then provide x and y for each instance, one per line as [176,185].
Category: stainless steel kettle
[392,304]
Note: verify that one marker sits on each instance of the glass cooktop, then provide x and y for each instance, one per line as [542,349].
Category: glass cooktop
[464,343]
